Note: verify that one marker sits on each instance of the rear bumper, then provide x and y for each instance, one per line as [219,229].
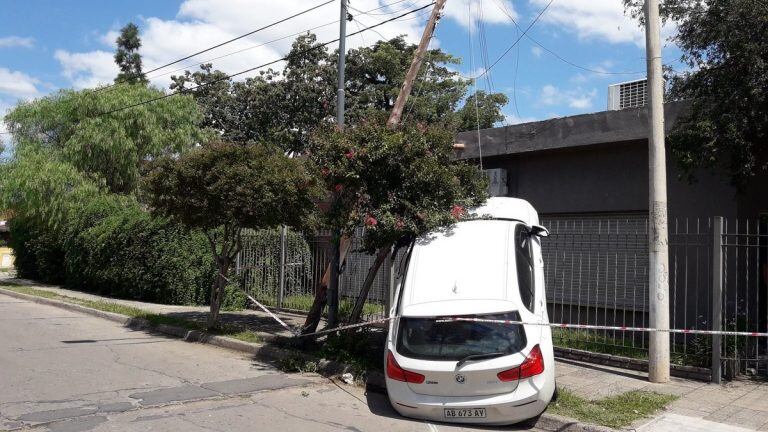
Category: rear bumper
[529,400]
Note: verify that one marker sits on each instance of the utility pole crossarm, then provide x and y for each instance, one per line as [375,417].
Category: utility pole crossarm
[413,70]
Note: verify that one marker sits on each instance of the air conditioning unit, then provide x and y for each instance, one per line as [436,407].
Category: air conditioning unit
[497,181]
[631,94]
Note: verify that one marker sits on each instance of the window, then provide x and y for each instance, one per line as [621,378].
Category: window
[525,269]
[430,339]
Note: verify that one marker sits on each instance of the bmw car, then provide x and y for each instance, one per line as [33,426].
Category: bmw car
[456,351]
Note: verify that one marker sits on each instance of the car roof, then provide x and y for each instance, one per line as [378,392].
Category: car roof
[507,208]
[463,270]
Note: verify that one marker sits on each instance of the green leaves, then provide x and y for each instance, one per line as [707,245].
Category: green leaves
[726,126]
[229,185]
[397,183]
[110,148]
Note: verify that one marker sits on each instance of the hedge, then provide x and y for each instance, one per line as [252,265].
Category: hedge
[111,246]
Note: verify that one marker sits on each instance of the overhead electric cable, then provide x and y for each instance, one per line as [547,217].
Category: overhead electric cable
[272,24]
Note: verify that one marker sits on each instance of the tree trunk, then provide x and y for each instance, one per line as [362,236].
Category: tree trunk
[321,293]
[316,311]
[357,311]
[217,291]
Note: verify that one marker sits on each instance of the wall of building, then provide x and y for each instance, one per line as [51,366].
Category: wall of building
[608,178]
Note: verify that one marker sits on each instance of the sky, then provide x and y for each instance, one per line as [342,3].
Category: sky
[562,66]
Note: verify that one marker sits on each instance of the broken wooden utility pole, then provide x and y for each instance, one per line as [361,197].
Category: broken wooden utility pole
[418,58]
[394,120]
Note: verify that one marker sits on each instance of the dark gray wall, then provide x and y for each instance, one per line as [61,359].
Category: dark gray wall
[607,178]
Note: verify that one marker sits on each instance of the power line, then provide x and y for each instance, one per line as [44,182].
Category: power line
[558,56]
[144,74]
[517,40]
[226,77]
[257,45]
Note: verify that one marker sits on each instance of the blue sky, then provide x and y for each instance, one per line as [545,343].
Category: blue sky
[50,44]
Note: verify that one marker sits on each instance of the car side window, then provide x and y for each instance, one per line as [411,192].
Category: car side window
[525,268]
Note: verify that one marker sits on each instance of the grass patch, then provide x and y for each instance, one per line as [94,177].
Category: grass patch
[615,411]
[235,332]
[593,342]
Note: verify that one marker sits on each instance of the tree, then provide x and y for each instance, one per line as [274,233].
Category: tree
[88,130]
[724,45]
[302,96]
[222,188]
[485,114]
[127,56]
[398,184]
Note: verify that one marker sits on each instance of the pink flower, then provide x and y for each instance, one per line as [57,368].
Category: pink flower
[350,154]
[458,211]
[338,188]
[370,221]
[399,224]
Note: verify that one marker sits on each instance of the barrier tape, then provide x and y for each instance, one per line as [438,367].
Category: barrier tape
[603,327]
[275,317]
[297,333]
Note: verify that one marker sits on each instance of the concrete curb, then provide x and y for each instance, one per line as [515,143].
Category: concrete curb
[547,422]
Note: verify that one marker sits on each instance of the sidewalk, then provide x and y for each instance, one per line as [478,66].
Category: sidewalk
[702,407]
[257,321]
[734,406]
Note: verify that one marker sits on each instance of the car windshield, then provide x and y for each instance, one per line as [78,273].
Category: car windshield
[432,339]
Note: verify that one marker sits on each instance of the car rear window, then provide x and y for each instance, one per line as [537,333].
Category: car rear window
[431,339]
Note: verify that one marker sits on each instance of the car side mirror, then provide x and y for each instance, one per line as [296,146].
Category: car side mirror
[538,231]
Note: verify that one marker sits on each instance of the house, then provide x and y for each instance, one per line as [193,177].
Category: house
[597,164]
[587,176]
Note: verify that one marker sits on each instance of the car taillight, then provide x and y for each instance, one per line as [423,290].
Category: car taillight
[532,366]
[395,372]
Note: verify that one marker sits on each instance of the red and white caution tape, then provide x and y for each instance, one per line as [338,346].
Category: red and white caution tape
[297,332]
[603,327]
[275,317]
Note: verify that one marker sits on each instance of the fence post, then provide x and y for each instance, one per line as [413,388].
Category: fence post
[717,297]
[281,280]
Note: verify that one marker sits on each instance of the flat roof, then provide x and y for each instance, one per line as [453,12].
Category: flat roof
[603,127]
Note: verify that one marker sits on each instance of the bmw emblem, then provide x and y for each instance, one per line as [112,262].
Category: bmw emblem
[460,378]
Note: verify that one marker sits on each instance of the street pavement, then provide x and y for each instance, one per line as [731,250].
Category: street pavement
[66,372]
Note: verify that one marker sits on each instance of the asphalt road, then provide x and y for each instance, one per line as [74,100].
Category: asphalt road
[66,372]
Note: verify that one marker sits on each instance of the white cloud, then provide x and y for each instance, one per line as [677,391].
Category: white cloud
[18,84]
[577,98]
[491,12]
[87,69]
[597,20]
[536,51]
[203,23]
[16,41]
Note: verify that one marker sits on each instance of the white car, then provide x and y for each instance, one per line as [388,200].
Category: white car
[441,369]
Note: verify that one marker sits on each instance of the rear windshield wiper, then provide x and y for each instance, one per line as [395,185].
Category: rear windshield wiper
[479,357]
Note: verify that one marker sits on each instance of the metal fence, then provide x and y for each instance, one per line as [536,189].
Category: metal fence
[282,269]
[596,272]
[741,282]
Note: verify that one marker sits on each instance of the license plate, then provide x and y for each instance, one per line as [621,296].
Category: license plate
[452,413]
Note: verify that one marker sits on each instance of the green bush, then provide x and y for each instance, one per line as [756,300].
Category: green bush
[111,246]
[234,298]
[37,252]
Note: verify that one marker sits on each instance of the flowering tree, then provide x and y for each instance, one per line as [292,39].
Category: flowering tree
[397,183]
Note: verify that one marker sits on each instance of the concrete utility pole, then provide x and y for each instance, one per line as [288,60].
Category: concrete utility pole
[418,58]
[658,259]
[333,283]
